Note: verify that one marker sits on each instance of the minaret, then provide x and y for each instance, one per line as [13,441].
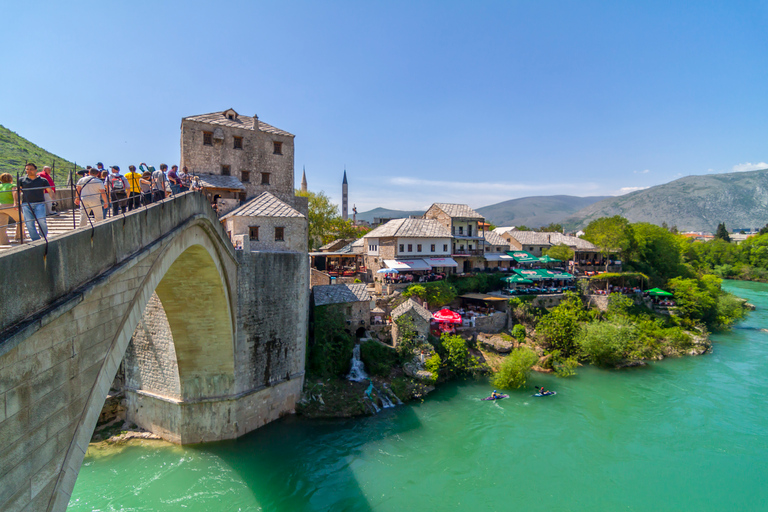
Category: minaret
[304,179]
[344,197]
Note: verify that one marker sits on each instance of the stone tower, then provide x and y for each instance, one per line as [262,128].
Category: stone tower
[304,179]
[344,197]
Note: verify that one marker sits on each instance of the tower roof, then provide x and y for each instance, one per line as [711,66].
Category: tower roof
[345,178]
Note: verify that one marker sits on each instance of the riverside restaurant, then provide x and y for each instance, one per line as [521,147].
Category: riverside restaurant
[539,281]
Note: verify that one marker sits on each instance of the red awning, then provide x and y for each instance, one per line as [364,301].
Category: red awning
[446,315]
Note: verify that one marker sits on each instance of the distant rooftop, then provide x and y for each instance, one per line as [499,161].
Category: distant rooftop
[462,211]
[219,181]
[415,228]
[238,121]
[411,305]
[340,294]
[264,205]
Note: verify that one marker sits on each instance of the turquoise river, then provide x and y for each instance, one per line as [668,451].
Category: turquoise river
[677,435]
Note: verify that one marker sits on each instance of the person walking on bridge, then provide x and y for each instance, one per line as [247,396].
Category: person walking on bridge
[90,194]
[134,187]
[118,191]
[33,189]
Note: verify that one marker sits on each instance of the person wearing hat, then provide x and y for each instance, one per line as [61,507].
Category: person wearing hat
[118,191]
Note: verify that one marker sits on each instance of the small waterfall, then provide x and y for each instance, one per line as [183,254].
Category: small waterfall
[357,372]
[374,395]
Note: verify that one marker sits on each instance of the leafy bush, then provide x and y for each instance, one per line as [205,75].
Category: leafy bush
[518,332]
[331,352]
[432,365]
[377,358]
[561,326]
[437,294]
[515,368]
[605,344]
[406,336]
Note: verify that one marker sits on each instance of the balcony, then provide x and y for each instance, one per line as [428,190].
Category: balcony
[467,252]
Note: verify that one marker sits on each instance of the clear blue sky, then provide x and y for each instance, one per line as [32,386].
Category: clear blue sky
[472,102]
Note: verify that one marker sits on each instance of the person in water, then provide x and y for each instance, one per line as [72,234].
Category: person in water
[494,394]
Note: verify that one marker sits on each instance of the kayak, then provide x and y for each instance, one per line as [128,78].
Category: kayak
[498,397]
[546,393]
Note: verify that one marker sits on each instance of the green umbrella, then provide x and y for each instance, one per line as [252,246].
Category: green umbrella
[517,279]
[548,259]
[658,292]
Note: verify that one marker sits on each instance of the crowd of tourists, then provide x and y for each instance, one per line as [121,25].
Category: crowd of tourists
[99,193]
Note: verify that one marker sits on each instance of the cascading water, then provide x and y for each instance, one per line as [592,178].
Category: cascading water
[357,374]
[357,371]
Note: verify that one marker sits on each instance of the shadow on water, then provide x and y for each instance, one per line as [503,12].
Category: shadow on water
[295,464]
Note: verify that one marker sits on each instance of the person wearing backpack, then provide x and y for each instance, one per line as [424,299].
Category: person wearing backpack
[118,191]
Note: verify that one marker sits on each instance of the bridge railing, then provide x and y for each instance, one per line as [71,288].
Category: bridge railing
[34,279]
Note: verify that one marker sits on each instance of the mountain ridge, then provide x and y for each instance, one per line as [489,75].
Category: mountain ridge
[691,203]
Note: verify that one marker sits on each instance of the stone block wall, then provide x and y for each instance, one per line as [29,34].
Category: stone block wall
[272,318]
[318,278]
[295,232]
[256,156]
[150,360]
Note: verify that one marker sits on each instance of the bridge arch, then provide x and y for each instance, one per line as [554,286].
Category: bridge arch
[193,275]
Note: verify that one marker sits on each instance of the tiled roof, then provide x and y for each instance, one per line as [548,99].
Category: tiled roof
[243,122]
[340,294]
[219,181]
[414,228]
[409,305]
[505,229]
[537,238]
[336,244]
[494,239]
[264,205]
[459,210]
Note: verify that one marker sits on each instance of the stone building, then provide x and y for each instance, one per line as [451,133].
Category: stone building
[408,244]
[420,316]
[265,223]
[353,300]
[496,249]
[464,224]
[226,143]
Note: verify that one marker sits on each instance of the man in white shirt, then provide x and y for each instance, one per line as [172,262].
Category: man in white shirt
[90,193]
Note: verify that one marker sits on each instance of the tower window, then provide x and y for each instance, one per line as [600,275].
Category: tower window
[279,234]
[265,178]
[245,176]
[225,170]
[238,143]
[207,138]
[253,232]
[277,147]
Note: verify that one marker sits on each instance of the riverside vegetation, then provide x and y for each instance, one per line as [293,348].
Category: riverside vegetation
[556,340]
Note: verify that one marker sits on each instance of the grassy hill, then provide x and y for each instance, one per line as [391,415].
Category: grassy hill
[15,151]
[536,211]
[693,203]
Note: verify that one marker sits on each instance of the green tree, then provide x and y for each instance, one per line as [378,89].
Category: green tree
[331,350]
[552,228]
[406,336]
[323,218]
[722,232]
[515,368]
[561,325]
[611,235]
[657,253]
[560,252]
[458,358]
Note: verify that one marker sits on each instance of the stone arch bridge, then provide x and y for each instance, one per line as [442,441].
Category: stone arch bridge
[231,357]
